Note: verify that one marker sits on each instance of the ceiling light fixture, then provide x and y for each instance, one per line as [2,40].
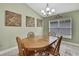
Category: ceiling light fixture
[47,11]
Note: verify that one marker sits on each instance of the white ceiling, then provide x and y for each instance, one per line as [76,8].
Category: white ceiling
[59,7]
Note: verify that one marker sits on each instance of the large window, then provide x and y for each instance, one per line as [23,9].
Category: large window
[61,27]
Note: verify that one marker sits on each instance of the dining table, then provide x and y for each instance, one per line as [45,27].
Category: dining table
[37,42]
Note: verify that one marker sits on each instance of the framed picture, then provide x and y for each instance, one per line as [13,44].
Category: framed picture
[39,23]
[12,19]
[30,21]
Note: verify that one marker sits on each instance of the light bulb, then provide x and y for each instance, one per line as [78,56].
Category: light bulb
[53,10]
[47,9]
[49,13]
[42,11]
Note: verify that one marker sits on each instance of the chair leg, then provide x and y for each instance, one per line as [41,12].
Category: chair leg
[59,54]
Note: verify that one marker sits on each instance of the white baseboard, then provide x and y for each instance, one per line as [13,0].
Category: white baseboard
[7,50]
[70,43]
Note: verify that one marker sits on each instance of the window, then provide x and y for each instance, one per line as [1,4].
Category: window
[61,27]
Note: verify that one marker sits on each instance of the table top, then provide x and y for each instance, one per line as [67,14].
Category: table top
[37,42]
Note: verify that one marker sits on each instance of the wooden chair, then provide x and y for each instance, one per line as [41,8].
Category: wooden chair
[49,33]
[30,35]
[20,46]
[55,50]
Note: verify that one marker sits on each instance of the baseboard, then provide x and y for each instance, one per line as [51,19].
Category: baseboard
[7,50]
[74,44]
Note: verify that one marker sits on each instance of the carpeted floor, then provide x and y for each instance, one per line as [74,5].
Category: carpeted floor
[69,50]
[65,50]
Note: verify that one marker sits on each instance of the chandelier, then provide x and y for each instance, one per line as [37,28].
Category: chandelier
[47,11]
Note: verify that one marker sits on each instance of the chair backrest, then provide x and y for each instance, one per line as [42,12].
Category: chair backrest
[49,33]
[30,35]
[57,46]
[20,47]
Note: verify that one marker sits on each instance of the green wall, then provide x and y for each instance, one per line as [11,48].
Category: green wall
[46,26]
[8,33]
[75,25]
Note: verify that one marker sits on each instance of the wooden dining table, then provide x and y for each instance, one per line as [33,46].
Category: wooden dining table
[37,42]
